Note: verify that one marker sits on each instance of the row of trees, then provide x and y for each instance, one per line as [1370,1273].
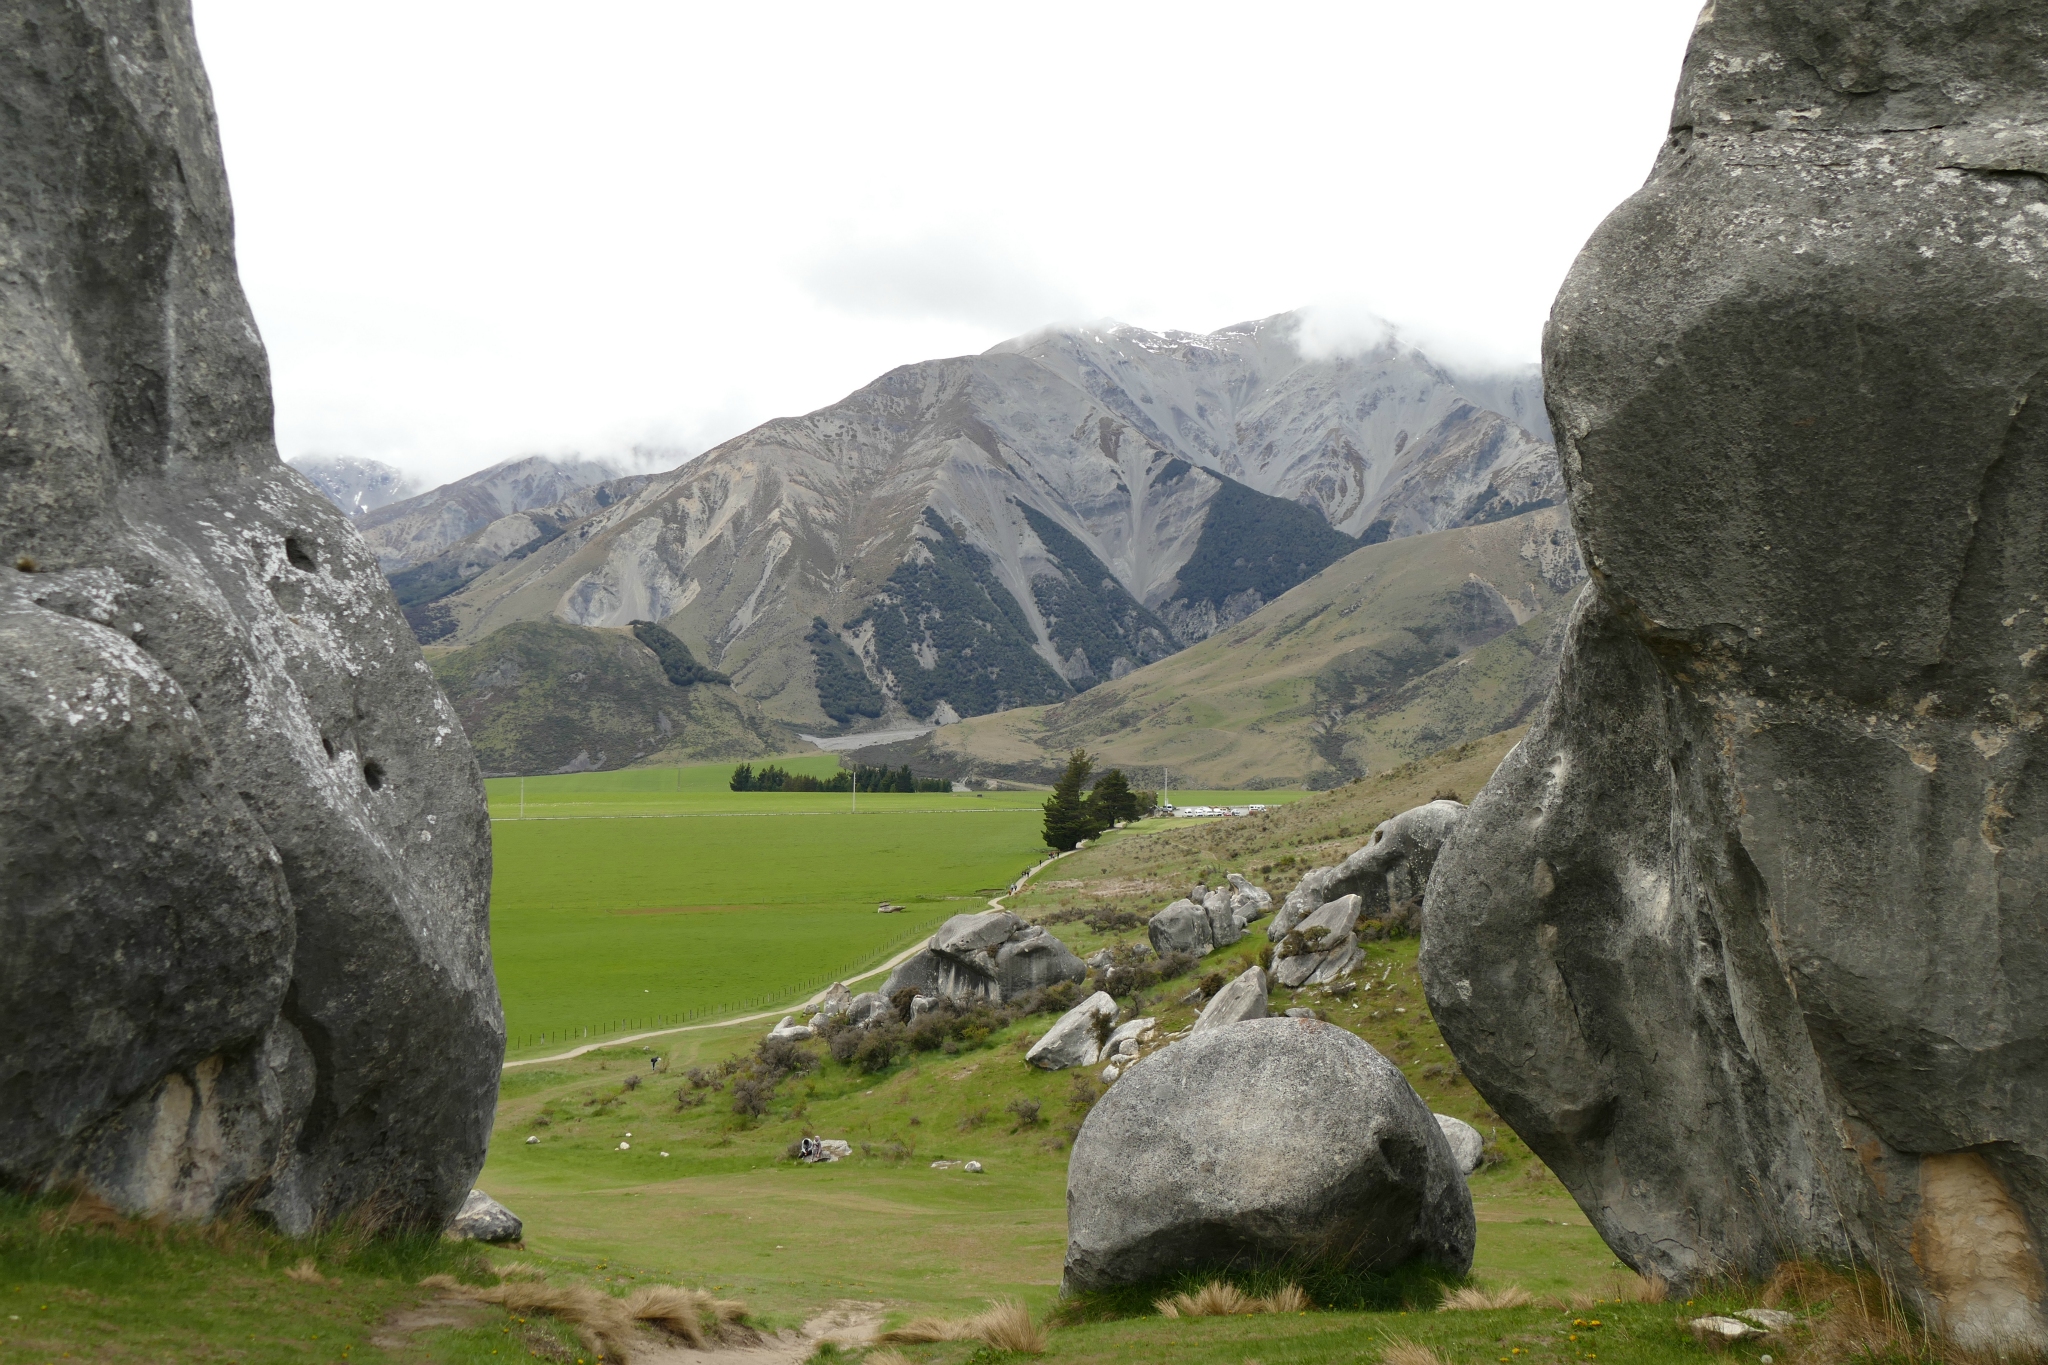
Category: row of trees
[773,778]
[1071,817]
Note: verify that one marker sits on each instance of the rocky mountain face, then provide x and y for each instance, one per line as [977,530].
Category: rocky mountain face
[1009,529]
[354,484]
[1397,651]
[1745,938]
[418,529]
[244,880]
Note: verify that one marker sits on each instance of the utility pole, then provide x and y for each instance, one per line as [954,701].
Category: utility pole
[856,786]
[522,798]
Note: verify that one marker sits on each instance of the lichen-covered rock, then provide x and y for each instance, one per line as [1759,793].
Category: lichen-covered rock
[1321,948]
[245,858]
[1388,873]
[484,1219]
[1273,1141]
[1244,997]
[1746,938]
[1248,902]
[1182,927]
[992,955]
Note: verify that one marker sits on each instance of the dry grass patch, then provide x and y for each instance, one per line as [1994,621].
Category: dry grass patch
[1409,1353]
[1218,1299]
[1006,1326]
[1474,1298]
[1623,1289]
[614,1327]
[305,1272]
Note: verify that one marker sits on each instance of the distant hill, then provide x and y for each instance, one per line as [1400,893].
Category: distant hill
[1009,529]
[543,697]
[421,527]
[1397,651]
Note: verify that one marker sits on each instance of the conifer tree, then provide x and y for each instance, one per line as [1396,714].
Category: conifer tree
[1112,800]
[1068,819]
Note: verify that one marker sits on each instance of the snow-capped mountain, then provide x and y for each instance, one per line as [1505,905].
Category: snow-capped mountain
[354,484]
[976,533]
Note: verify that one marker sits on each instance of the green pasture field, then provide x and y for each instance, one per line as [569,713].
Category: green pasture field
[600,925]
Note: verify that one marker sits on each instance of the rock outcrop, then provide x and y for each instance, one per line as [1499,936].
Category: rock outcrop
[1273,1141]
[1746,937]
[244,876]
[1321,948]
[992,955]
[1388,874]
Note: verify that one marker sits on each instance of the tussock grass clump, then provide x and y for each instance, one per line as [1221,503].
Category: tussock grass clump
[1290,1287]
[1221,1299]
[1473,1297]
[305,1272]
[1005,1326]
[610,1326]
[1409,1353]
[1624,1289]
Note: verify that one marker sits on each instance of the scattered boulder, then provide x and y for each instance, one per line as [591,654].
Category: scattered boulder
[1388,874]
[1225,928]
[1770,1319]
[972,1168]
[866,1008]
[789,1030]
[1468,1145]
[1320,948]
[483,1219]
[1275,1141]
[1077,1038]
[245,874]
[814,1150]
[1719,1328]
[1248,902]
[992,956]
[1745,937]
[1182,927]
[1302,1012]
[1241,998]
[836,1003]
[1126,1037]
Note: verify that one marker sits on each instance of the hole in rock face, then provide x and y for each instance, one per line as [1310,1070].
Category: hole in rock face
[328,745]
[298,556]
[373,773]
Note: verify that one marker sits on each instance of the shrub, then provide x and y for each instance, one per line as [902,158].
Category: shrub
[970,1122]
[1025,1112]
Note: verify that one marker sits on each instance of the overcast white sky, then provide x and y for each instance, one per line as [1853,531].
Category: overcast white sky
[472,231]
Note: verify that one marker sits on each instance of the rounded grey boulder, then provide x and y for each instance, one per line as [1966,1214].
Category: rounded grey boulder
[1240,999]
[1388,875]
[1468,1146]
[1270,1141]
[1182,927]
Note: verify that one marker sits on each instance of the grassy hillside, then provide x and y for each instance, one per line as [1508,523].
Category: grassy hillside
[543,697]
[1392,653]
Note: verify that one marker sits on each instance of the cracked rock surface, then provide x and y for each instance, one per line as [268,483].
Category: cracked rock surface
[1746,937]
[244,856]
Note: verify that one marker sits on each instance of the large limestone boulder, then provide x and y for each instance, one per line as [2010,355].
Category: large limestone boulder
[992,955]
[483,1219]
[1182,927]
[245,864]
[1468,1144]
[1388,874]
[1248,902]
[1747,937]
[1273,1141]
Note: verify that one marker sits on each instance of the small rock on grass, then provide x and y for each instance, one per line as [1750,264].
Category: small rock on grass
[484,1219]
[1074,1040]
[1467,1145]
[1718,1328]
